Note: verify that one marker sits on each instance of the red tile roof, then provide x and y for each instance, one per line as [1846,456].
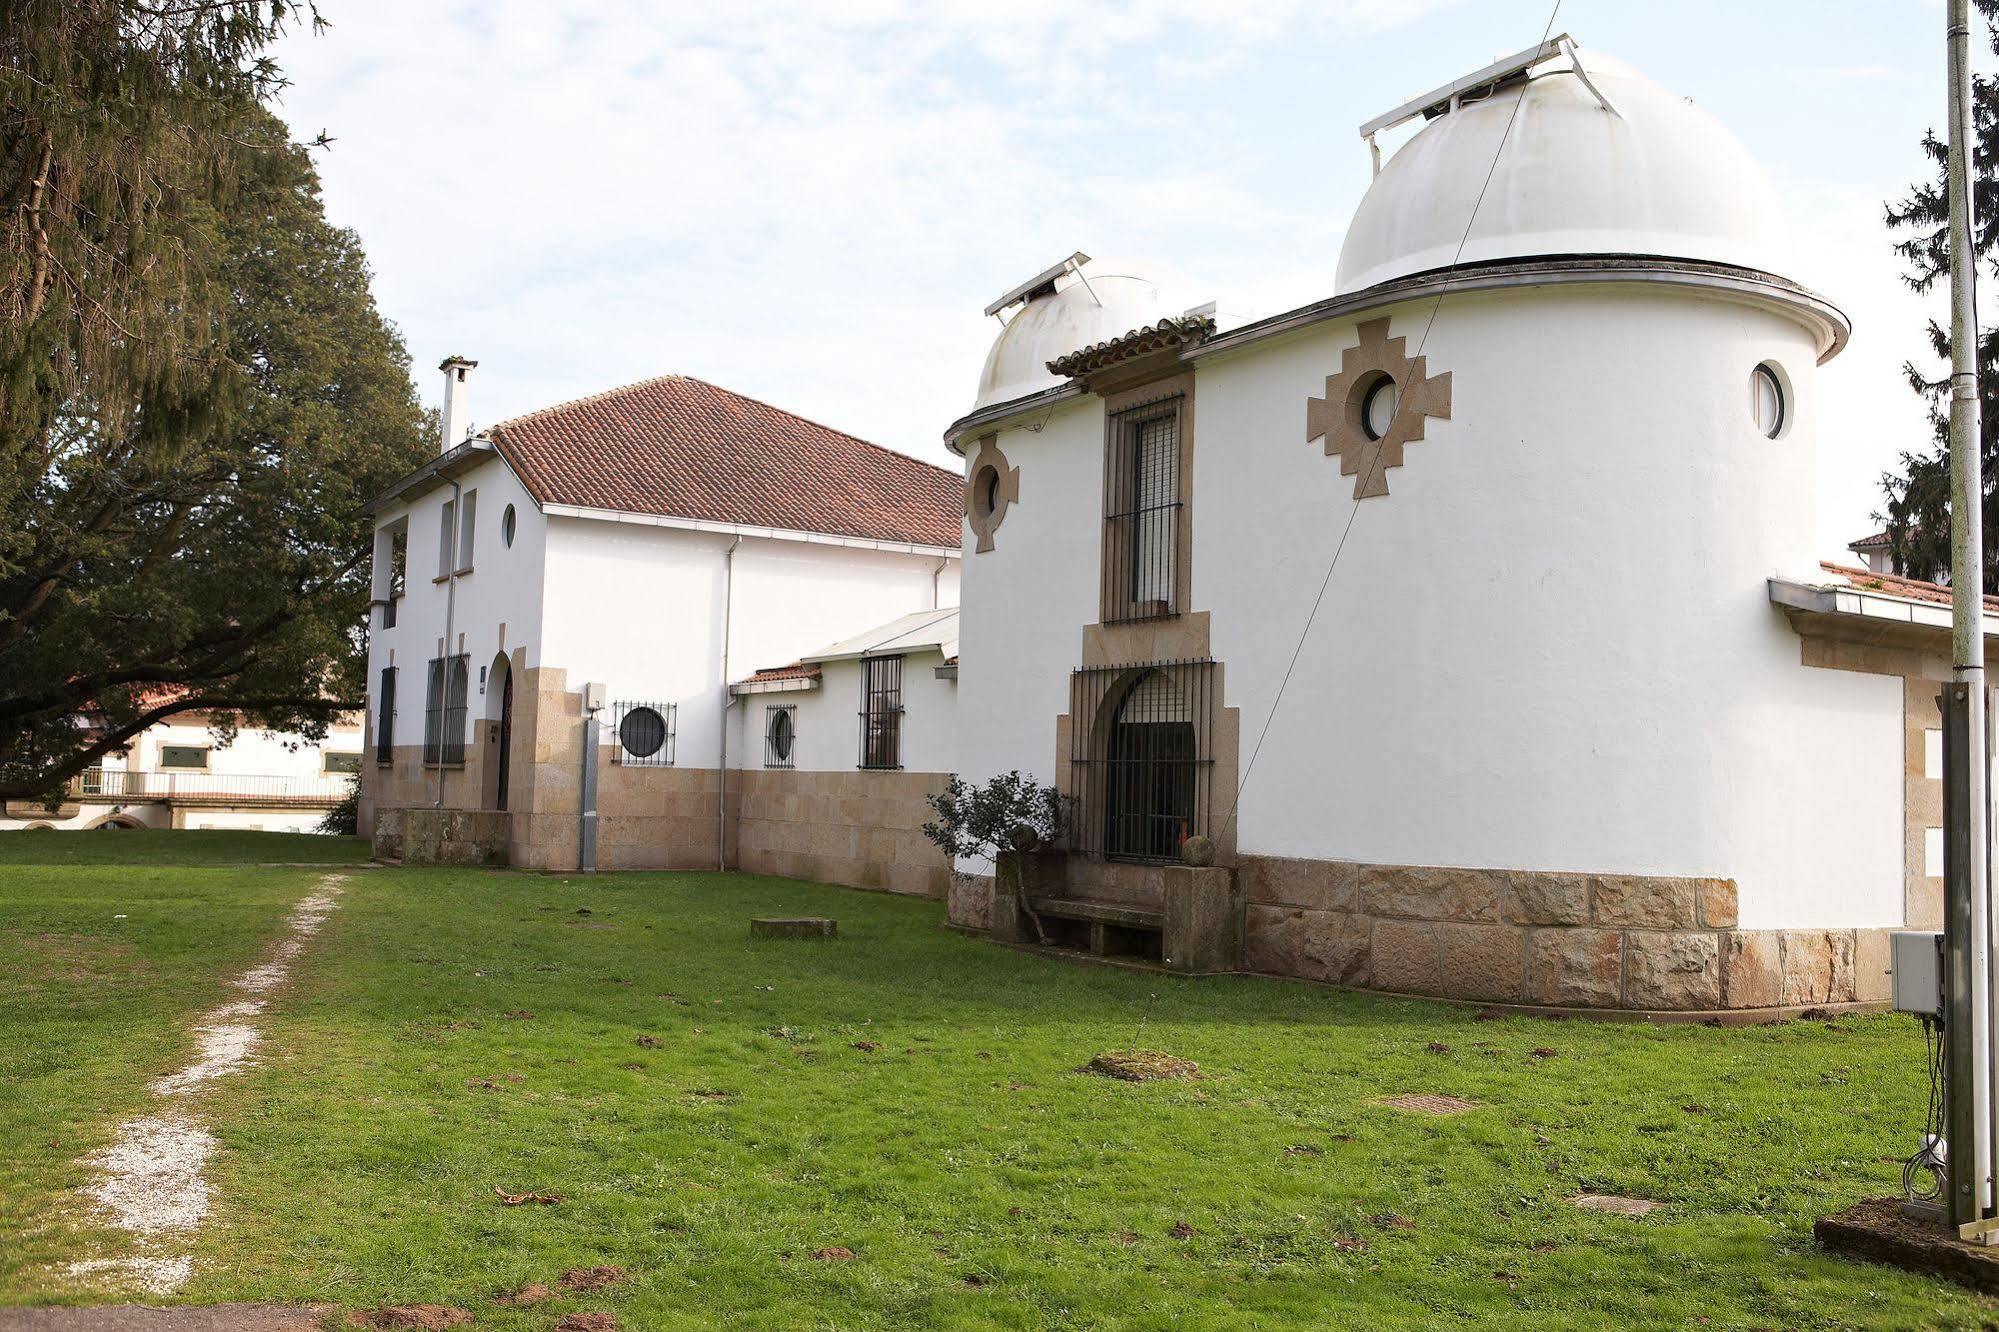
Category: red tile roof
[795,671]
[1894,585]
[1879,541]
[683,448]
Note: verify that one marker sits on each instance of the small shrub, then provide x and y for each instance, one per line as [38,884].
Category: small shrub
[344,819]
[979,822]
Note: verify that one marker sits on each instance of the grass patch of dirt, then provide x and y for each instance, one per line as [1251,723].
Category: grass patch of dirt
[1141,1066]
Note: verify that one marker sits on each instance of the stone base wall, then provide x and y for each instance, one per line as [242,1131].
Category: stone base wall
[863,829]
[426,836]
[1610,941]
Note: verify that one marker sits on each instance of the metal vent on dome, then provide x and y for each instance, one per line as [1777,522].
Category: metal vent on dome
[1042,283]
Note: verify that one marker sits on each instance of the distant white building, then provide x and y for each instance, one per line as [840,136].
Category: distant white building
[1580,720]
[176,774]
[639,549]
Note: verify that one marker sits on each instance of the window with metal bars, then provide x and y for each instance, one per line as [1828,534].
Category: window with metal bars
[385,718]
[1141,758]
[645,734]
[444,709]
[881,712]
[780,735]
[1142,512]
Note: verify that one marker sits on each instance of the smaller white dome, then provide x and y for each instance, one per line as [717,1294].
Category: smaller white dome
[1660,177]
[1120,296]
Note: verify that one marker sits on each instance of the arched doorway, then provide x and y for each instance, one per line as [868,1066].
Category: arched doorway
[1151,778]
[500,712]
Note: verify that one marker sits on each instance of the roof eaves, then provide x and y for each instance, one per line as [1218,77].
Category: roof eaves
[454,462]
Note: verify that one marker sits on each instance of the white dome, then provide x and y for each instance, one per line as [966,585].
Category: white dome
[1126,296]
[1661,177]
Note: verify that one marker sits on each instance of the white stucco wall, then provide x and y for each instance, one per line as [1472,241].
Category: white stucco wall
[504,588]
[640,608]
[1550,647]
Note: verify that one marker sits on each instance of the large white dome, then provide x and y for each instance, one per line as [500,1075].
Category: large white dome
[1660,177]
[1119,297]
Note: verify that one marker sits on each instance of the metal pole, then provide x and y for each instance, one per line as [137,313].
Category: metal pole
[586,834]
[1967,882]
[728,698]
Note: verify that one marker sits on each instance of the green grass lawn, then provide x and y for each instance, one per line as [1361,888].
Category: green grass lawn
[714,1110]
[152,846]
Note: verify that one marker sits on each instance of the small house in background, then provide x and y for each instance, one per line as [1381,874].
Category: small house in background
[840,751]
[1470,611]
[177,774]
[624,558]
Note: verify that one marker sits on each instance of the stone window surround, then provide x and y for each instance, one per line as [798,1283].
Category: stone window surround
[989,473]
[1156,388]
[1337,417]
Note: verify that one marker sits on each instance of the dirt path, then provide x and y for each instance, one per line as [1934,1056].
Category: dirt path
[150,1181]
[137,1318]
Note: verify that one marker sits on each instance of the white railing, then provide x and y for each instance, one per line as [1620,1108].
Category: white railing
[193,786]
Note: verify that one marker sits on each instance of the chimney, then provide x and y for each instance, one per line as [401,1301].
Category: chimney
[457,400]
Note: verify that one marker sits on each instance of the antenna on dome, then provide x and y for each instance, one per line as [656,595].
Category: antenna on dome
[1478,85]
[1043,284]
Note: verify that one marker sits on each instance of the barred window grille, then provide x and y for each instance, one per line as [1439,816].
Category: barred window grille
[1142,512]
[881,712]
[385,718]
[645,733]
[780,734]
[1141,758]
[444,709]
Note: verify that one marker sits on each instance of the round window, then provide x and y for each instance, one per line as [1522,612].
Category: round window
[989,490]
[1377,409]
[642,732]
[1767,400]
[507,527]
[781,735]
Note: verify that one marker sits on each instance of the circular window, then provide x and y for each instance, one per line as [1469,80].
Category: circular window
[507,527]
[1767,405]
[781,735]
[1377,409]
[989,498]
[642,732]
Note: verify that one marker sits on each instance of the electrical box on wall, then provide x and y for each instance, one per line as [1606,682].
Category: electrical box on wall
[593,697]
[1917,959]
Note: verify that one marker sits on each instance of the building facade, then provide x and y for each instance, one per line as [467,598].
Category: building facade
[178,774]
[1471,611]
[633,552]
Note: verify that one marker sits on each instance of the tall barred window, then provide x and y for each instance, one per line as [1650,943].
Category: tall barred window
[881,712]
[444,709]
[1142,512]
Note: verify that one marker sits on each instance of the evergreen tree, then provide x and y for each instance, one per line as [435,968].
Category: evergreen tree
[197,392]
[1917,513]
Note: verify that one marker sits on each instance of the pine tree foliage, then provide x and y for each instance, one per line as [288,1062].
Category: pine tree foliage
[1917,508]
[197,392]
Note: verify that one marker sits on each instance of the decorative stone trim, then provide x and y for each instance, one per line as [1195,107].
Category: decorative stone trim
[1338,417]
[991,488]
[1609,941]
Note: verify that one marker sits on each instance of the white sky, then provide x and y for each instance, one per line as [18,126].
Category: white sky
[810,201]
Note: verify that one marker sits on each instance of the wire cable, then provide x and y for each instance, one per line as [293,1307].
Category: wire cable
[1324,583]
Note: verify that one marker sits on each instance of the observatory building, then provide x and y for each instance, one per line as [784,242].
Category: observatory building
[1577,719]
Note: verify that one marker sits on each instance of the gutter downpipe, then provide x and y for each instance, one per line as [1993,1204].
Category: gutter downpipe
[937,585]
[450,614]
[728,701]
[1970,1126]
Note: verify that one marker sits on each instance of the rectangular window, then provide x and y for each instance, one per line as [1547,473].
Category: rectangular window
[447,533]
[190,758]
[881,712]
[780,735]
[468,514]
[444,710]
[1142,512]
[1141,758]
[391,561]
[339,761]
[385,718]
